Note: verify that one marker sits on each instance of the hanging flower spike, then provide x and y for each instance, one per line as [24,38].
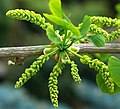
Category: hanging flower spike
[74,72]
[108,81]
[101,68]
[105,21]
[53,82]
[29,72]
[27,15]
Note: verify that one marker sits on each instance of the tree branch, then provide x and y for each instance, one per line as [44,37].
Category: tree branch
[27,51]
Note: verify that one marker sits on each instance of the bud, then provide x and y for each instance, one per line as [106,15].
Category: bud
[47,50]
[75,49]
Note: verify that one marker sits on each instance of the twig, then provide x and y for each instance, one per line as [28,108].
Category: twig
[27,51]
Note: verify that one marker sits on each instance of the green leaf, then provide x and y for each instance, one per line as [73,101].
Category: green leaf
[54,19]
[63,23]
[102,57]
[85,26]
[98,40]
[52,36]
[102,86]
[74,37]
[55,8]
[114,69]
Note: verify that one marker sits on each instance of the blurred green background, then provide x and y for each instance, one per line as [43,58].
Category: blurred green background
[34,94]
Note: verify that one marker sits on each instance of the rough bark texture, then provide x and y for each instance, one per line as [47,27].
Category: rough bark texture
[27,51]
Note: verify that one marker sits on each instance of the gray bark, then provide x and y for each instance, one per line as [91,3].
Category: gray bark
[26,51]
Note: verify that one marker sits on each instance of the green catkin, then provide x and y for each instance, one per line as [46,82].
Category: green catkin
[29,72]
[27,15]
[105,21]
[97,30]
[53,82]
[74,72]
[101,68]
[94,29]
[114,35]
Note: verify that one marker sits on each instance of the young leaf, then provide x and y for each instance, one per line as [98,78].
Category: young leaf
[54,19]
[51,35]
[102,86]
[114,69]
[55,8]
[74,37]
[63,23]
[98,40]
[85,26]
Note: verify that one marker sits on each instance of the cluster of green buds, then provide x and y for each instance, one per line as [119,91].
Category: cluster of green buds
[94,29]
[114,35]
[53,82]
[109,22]
[74,71]
[108,81]
[105,21]
[30,16]
[29,72]
[101,68]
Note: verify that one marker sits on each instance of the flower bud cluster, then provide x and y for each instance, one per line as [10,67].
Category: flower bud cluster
[105,21]
[53,82]
[101,68]
[97,30]
[108,81]
[27,15]
[29,72]
[94,29]
[114,35]
[74,72]
[85,59]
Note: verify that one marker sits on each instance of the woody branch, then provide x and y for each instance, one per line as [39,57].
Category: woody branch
[27,51]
